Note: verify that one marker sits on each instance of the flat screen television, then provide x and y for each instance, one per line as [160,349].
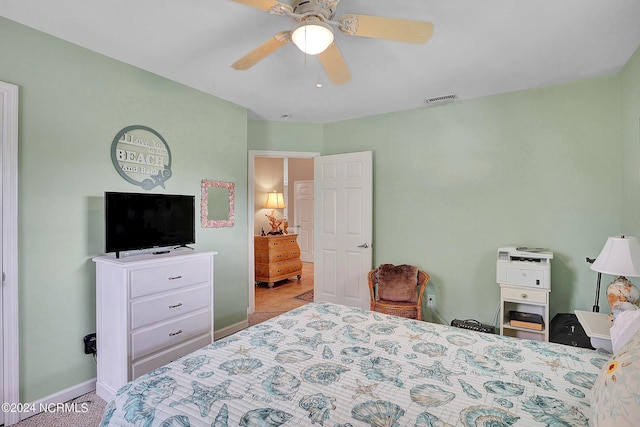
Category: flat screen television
[142,221]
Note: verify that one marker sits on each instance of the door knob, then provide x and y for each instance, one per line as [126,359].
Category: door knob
[364,245]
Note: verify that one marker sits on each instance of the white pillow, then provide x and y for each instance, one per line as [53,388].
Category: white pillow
[615,396]
[625,325]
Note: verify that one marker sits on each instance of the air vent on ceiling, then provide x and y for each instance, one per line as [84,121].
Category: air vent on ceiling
[439,100]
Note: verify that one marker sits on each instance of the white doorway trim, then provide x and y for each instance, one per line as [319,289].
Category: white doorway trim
[250,206]
[9,180]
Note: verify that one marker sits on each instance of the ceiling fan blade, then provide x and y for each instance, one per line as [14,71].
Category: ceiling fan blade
[334,65]
[262,51]
[398,29]
[261,4]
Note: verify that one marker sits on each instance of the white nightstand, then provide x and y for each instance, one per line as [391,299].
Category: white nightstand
[597,326]
[528,300]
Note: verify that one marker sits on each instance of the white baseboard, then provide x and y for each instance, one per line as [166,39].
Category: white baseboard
[61,397]
[231,329]
[83,388]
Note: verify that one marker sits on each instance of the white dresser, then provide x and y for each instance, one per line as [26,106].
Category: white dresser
[150,310]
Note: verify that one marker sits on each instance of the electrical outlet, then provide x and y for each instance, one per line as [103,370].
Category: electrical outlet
[90,344]
[431,300]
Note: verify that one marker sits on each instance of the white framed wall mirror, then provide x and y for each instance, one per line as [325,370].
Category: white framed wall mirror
[217,207]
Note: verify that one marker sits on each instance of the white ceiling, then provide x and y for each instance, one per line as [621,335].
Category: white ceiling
[479,48]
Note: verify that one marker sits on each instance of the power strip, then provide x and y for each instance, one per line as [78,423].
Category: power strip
[90,344]
[473,325]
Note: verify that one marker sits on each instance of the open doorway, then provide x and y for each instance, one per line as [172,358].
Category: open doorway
[284,296]
[279,171]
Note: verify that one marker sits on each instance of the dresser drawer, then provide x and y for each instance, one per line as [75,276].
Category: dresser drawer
[158,279]
[269,243]
[148,340]
[285,267]
[281,254]
[287,241]
[281,269]
[149,364]
[145,311]
[525,295]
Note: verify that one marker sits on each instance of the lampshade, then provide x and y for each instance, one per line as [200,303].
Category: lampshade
[312,36]
[619,257]
[274,201]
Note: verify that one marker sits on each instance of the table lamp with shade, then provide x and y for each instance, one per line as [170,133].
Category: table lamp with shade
[620,257]
[274,201]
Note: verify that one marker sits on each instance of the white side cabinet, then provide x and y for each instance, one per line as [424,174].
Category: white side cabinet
[150,310]
[526,299]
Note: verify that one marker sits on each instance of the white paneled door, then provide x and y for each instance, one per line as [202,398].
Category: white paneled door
[343,185]
[303,218]
[9,389]
[1,263]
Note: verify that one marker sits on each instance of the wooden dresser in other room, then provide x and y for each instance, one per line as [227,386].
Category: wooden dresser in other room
[277,257]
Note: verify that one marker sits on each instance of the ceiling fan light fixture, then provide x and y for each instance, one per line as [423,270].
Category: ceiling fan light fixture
[312,36]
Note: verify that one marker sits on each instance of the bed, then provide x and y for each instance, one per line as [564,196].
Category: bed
[330,365]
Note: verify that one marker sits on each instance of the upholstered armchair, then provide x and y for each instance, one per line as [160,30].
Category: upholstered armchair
[398,290]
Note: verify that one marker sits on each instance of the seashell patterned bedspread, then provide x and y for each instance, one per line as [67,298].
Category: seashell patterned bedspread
[335,366]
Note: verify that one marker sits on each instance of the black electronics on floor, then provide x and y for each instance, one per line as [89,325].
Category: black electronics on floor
[566,329]
[473,325]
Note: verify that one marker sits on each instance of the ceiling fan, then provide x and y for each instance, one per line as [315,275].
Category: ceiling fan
[313,33]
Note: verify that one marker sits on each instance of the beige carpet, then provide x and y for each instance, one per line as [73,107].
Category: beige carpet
[84,411]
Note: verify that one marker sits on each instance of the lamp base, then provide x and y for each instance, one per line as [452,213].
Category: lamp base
[274,222]
[622,295]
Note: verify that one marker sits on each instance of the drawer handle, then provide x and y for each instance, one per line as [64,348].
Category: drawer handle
[173,334]
[176,305]
[523,295]
[175,277]
[279,256]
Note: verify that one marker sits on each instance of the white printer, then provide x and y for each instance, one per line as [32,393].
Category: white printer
[519,266]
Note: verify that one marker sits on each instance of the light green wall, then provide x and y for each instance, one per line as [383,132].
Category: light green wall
[630,125]
[284,136]
[72,104]
[453,183]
